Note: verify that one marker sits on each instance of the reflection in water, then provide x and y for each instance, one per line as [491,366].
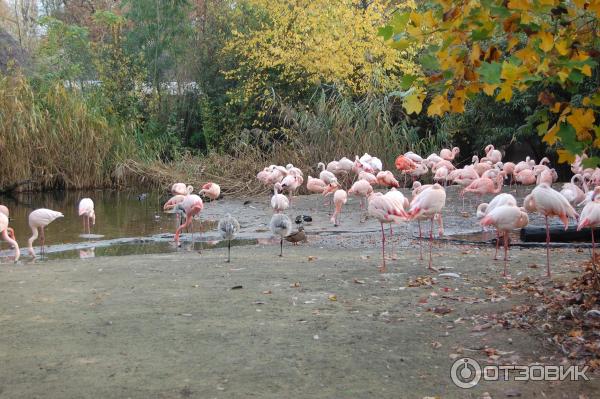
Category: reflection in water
[87,253]
[119,214]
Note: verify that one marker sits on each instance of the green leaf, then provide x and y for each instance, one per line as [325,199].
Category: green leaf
[386,32]
[480,34]
[429,61]
[407,81]
[399,21]
[591,162]
[490,72]
[401,44]
[576,76]
[542,128]
[568,137]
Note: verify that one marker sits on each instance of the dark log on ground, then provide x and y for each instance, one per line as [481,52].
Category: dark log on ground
[557,234]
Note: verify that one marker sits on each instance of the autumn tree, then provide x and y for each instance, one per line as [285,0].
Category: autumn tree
[292,46]
[499,47]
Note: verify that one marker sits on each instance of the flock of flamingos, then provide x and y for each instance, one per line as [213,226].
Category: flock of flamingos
[483,177]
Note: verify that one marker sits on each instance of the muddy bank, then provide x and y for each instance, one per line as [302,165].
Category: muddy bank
[318,323]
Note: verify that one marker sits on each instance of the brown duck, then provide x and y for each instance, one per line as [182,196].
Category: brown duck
[298,236]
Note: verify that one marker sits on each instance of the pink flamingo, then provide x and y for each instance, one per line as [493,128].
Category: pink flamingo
[505,218]
[326,175]
[385,210]
[6,234]
[590,217]
[427,205]
[290,184]
[86,210]
[5,211]
[386,178]
[492,155]
[38,220]
[485,185]
[416,158]
[192,205]
[361,189]
[441,175]
[279,202]
[449,155]
[211,191]
[509,170]
[340,197]
[292,170]
[528,163]
[572,192]
[549,202]
[181,189]
[405,165]
[370,177]
[484,209]
[420,170]
[315,185]
[418,188]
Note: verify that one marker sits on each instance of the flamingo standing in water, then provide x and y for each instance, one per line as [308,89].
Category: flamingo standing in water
[428,205]
[4,230]
[211,191]
[86,210]
[4,210]
[192,205]
[385,210]
[181,189]
[38,220]
[405,165]
[549,202]
[505,218]
[386,178]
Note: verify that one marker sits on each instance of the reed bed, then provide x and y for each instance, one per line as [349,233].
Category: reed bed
[53,139]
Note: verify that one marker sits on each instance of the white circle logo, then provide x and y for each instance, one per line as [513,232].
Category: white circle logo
[465,373]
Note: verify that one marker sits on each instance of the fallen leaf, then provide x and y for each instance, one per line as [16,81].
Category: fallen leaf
[237,287]
[436,345]
[295,284]
[311,258]
[358,281]
[332,297]
[267,292]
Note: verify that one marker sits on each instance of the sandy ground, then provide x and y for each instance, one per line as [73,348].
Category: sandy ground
[321,322]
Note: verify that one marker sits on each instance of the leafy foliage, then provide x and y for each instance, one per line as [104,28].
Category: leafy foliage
[503,47]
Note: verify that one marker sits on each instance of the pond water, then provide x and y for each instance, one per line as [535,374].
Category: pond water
[127,222]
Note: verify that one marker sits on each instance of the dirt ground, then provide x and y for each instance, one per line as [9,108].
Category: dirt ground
[317,323]
[321,322]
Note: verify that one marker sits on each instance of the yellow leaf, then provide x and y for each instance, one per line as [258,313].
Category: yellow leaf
[586,101]
[594,6]
[511,72]
[528,55]
[519,4]
[565,156]
[544,66]
[582,120]
[475,54]
[556,108]
[562,46]
[505,92]
[550,136]
[458,102]
[547,41]
[586,70]
[413,104]
[563,74]
[439,105]
[489,89]
[547,2]
[512,42]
